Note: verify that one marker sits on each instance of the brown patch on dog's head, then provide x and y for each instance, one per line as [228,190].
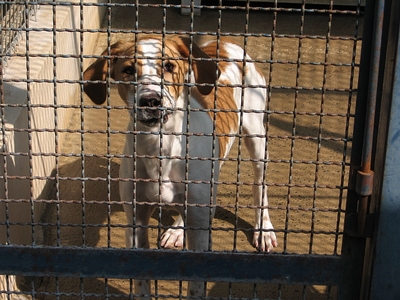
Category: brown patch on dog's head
[97,73]
[205,69]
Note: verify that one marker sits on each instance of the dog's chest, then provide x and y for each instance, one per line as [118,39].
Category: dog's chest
[183,149]
[165,166]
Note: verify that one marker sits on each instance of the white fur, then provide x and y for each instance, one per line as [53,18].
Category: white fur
[165,176]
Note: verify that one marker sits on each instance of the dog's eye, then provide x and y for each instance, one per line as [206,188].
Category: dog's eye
[169,67]
[129,70]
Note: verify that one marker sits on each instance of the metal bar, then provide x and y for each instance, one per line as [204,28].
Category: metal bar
[366,172]
[171,265]
[353,246]
[386,265]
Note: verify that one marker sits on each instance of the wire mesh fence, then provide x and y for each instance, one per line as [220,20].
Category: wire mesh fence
[63,153]
[13,19]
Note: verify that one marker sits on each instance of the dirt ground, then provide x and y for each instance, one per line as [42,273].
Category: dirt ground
[308,144]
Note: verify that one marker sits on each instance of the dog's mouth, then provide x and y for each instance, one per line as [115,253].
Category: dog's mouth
[152,116]
[150,110]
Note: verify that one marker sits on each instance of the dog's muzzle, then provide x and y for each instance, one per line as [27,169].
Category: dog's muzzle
[150,111]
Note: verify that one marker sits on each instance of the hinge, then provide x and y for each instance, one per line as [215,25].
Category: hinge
[361,223]
[364,189]
[364,183]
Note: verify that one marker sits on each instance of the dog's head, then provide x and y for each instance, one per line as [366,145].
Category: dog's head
[151,75]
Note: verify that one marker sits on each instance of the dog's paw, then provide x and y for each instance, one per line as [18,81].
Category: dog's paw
[172,238]
[265,240]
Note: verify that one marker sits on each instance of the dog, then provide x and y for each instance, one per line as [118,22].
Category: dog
[187,105]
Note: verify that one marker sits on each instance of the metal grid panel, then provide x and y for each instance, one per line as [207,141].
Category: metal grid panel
[12,21]
[309,56]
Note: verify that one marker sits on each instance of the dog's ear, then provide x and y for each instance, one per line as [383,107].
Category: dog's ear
[98,71]
[205,71]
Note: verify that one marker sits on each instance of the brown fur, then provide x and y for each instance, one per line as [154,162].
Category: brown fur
[204,69]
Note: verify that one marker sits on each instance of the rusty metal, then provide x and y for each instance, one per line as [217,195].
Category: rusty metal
[364,183]
[334,270]
[380,273]
[170,265]
[365,175]
[382,283]
[358,223]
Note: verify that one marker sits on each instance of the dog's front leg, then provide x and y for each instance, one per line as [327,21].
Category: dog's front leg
[136,235]
[198,235]
[264,238]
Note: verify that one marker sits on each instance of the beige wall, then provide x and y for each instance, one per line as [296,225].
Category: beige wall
[16,144]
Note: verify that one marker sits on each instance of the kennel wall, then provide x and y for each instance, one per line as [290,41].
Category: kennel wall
[31,118]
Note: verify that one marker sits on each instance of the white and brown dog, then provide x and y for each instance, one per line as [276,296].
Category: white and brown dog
[187,104]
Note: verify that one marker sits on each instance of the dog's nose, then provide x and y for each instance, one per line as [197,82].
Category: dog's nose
[153,100]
